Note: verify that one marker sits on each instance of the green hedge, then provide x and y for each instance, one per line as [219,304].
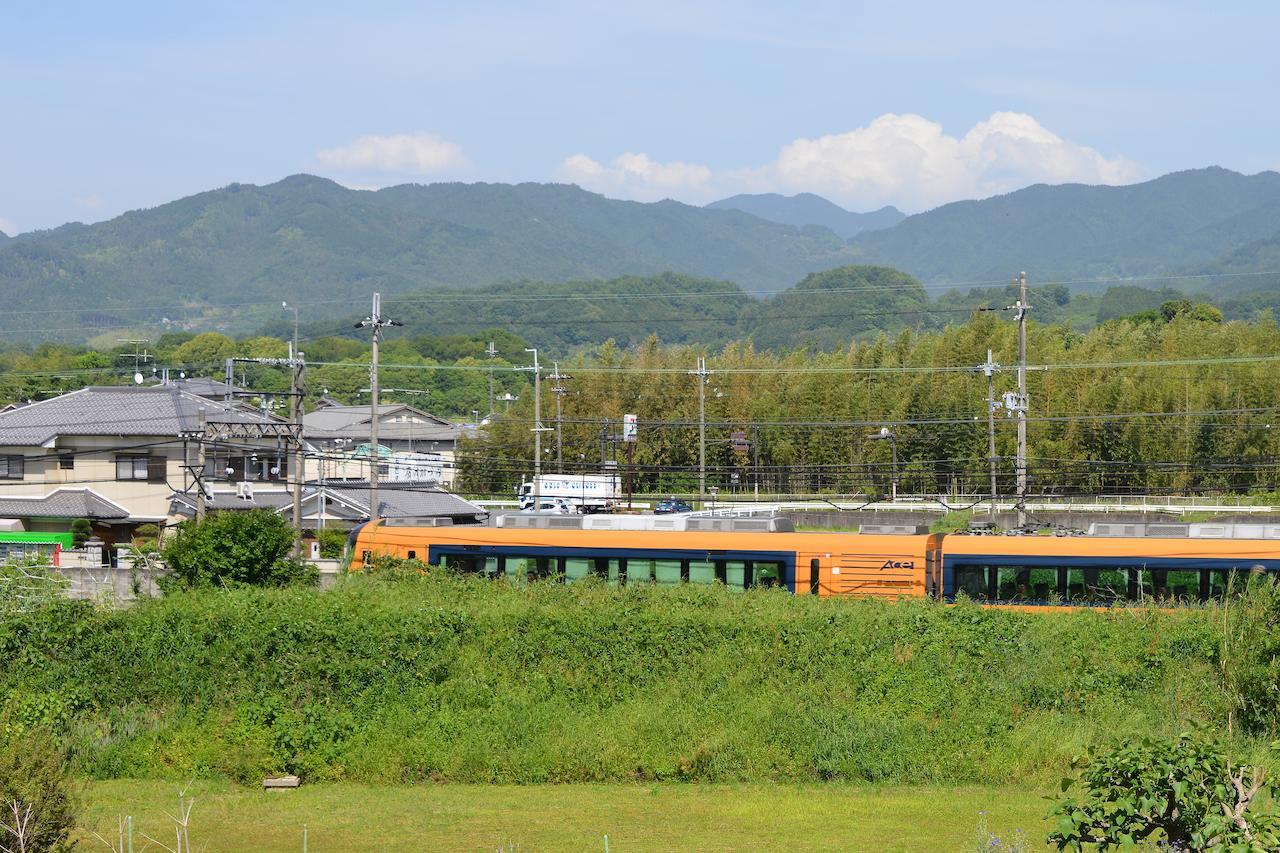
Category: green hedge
[442,678]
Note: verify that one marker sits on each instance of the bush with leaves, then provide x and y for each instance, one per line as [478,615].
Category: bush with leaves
[234,548]
[1184,792]
[332,542]
[38,802]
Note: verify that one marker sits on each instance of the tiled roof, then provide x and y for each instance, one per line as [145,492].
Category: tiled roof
[157,410]
[405,500]
[62,503]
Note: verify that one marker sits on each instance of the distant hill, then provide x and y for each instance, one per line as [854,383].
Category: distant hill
[306,238]
[1173,224]
[825,310]
[809,209]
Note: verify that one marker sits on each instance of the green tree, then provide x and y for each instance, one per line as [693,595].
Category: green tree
[234,547]
[81,531]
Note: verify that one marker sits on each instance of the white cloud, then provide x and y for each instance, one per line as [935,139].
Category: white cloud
[636,176]
[8,227]
[905,160]
[406,153]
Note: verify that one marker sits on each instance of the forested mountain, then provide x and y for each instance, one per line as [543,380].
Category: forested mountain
[307,238]
[1180,223]
[809,209]
[823,311]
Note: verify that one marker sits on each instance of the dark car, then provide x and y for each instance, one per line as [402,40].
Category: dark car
[672,505]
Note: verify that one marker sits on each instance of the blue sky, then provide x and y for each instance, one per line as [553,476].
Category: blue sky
[109,107]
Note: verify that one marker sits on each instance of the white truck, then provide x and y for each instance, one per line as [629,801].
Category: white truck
[584,492]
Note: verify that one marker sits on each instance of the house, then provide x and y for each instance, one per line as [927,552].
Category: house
[114,455]
[339,505]
[413,446]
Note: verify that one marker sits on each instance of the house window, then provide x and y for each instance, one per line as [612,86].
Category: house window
[148,468]
[12,467]
[66,461]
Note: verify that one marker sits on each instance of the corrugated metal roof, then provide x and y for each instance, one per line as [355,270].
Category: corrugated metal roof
[158,410]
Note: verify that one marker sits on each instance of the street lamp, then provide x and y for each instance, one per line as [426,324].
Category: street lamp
[886,434]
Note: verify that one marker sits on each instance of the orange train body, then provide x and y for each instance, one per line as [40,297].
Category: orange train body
[1015,570]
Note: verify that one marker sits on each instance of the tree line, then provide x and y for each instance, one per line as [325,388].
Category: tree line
[1107,414]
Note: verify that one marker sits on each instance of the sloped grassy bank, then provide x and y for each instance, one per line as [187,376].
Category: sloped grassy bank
[445,678]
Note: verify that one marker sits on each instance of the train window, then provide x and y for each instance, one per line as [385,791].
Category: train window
[972,581]
[768,573]
[461,562]
[413,555]
[1096,585]
[616,571]
[1013,583]
[577,568]
[702,571]
[1179,587]
[639,571]
[815,574]
[492,567]
[519,567]
[1222,583]
[735,574]
[366,557]
[666,572]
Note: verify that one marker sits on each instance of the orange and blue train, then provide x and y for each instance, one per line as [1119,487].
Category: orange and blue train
[743,553]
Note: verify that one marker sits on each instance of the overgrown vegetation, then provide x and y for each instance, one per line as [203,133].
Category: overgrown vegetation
[39,805]
[241,547]
[434,677]
[1182,791]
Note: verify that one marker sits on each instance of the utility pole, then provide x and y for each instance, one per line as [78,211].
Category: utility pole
[557,377]
[296,373]
[199,468]
[537,428]
[701,373]
[1022,309]
[374,321]
[492,352]
[990,370]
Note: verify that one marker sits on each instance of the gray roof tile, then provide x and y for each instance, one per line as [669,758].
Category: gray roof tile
[62,503]
[157,410]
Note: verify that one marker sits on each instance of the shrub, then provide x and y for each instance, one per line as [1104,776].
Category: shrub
[234,547]
[1183,791]
[36,791]
[147,531]
[81,532]
[332,542]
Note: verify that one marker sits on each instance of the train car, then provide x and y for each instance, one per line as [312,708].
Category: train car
[742,553]
[739,553]
[1098,569]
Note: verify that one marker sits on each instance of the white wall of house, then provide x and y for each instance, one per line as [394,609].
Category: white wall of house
[116,467]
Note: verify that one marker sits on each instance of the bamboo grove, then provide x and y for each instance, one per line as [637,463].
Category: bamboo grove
[800,422]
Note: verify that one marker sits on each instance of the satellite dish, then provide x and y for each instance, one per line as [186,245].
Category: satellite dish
[137,378]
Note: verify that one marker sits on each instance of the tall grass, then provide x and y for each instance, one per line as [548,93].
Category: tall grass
[446,678]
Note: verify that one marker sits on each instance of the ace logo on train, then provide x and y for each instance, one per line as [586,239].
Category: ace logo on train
[898,564]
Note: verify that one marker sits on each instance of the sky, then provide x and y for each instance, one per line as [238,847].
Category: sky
[110,107]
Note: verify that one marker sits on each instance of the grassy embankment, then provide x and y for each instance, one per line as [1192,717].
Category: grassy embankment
[446,679]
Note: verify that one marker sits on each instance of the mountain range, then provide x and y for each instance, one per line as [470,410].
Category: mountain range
[809,209]
[1198,221]
[225,258]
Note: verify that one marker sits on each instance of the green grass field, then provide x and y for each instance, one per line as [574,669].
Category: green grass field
[351,817]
